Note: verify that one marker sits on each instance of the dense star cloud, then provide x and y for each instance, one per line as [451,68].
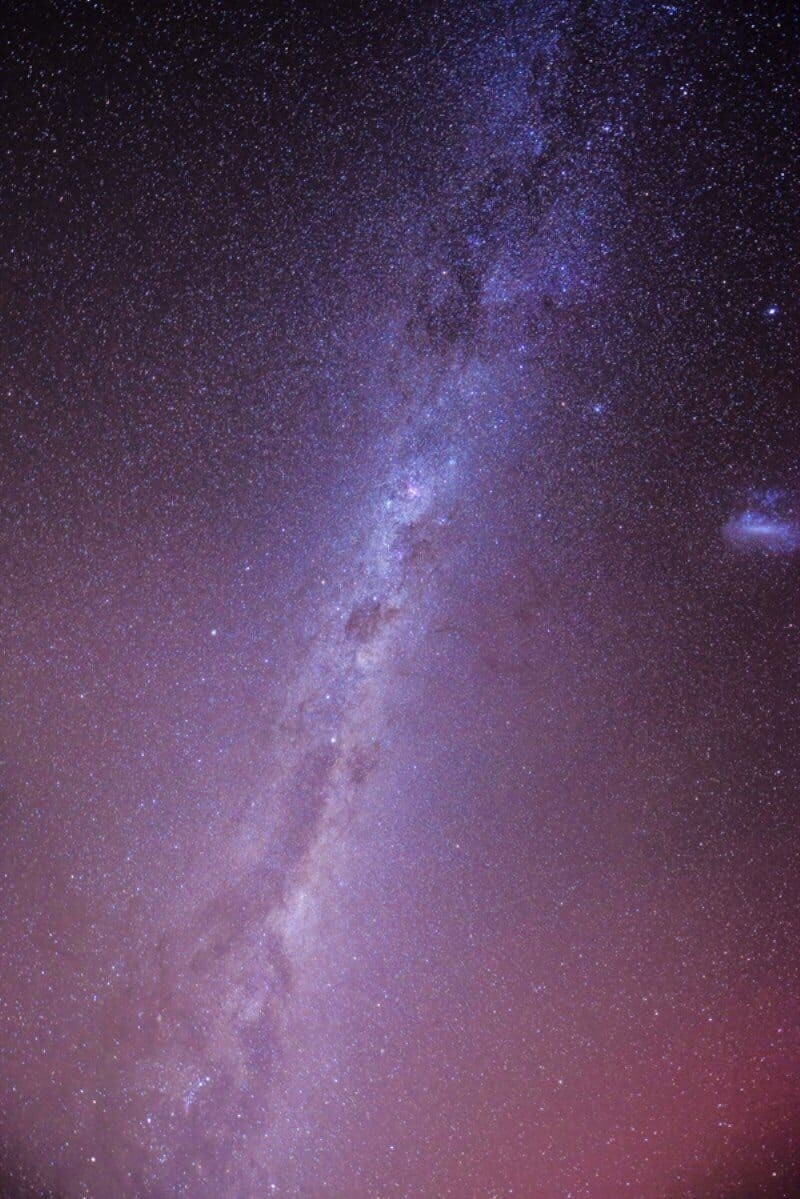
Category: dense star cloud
[401,533]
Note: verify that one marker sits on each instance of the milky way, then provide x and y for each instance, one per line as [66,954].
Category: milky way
[400,621]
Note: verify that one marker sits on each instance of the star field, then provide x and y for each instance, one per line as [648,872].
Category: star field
[401,533]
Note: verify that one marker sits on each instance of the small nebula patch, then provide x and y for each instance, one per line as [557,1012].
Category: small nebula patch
[769,523]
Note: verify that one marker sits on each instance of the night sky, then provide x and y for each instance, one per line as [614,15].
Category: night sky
[400,519]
